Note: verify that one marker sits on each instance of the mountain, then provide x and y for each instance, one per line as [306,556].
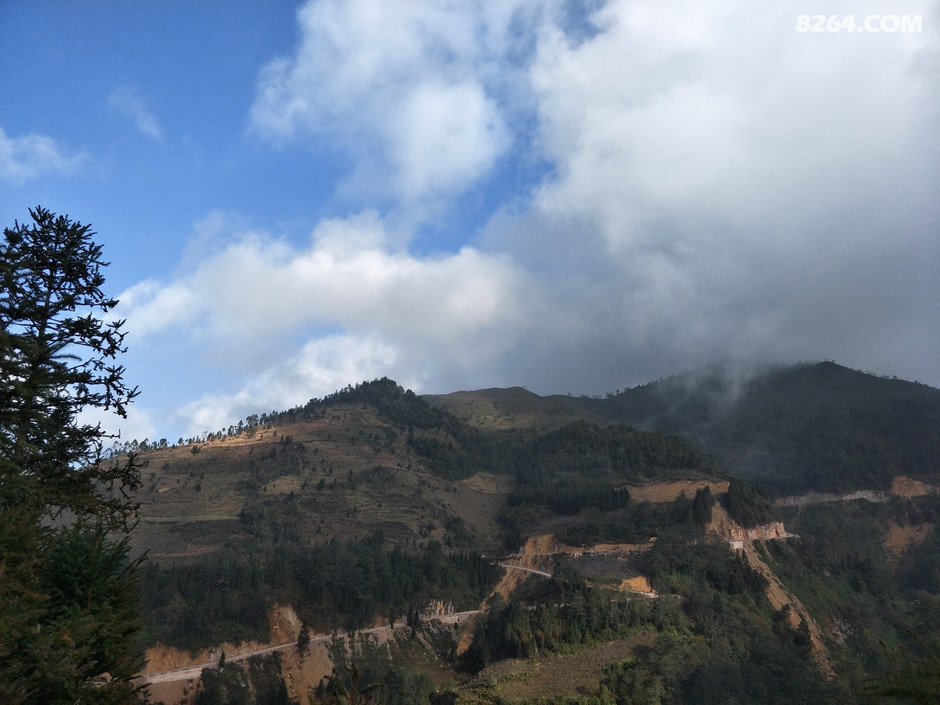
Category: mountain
[378,457]
[816,427]
[809,427]
[618,547]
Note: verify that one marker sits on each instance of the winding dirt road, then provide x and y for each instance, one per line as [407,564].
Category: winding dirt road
[194,671]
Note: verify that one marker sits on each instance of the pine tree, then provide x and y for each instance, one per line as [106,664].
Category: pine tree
[57,359]
[303,639]
[85,648]
[68,596]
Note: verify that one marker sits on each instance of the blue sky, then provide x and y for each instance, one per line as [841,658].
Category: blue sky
[574,197]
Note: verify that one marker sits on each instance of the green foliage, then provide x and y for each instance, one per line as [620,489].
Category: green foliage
[641,521]
[719,642]
[736,650]
[348,584]
[583,465]
[256,681]
[362,673]
[196,605]
[303,638]
[569,495]
[22,542]
[353,680]
[686,568]
[842,573]
[843,540]
[702,506]
[334,585]
[918,568]
[910,675]
[402,408]
[57,359]
[809,427]
[82,627]
[562,613]
[405,688]
[654,676]
[691,669]
[747,504]
[68,596]
[449,448]
[625,453]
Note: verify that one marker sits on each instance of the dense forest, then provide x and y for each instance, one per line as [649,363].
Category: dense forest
[584,469]
[809,427]
[335,585]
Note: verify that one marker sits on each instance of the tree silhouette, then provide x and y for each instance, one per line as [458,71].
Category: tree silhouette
[62,641]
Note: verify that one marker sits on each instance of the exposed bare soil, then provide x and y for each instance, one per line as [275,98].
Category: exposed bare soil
[303,672]
[669,491]
[483,482]
[285,626]
[638,584]
[907,487]
[900,538]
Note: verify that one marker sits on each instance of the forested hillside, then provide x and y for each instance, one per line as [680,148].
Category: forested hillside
[813,427]
[796,428]
[669,576]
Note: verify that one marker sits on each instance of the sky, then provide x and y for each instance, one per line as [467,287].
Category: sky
[574,197]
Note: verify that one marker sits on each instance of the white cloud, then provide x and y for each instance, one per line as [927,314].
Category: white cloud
[734,111]
[321,367]
[155,307]
[128,102]
[416,91]
[138,425]
[446,138]
[30,156]
[725,185]
[258,287]
[246,304]
[720,186]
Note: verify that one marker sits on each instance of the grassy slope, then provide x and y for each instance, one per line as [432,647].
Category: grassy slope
[342,475]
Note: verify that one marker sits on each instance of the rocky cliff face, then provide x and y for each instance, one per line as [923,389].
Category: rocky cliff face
[742,539]
[726,528]
[763,532]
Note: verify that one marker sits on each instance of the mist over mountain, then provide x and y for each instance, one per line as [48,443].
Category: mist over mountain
[795,428]
[819,426]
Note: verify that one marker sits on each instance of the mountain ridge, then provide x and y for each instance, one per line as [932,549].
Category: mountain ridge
[810,426]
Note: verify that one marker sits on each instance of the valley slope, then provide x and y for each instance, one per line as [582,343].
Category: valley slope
[368,506]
